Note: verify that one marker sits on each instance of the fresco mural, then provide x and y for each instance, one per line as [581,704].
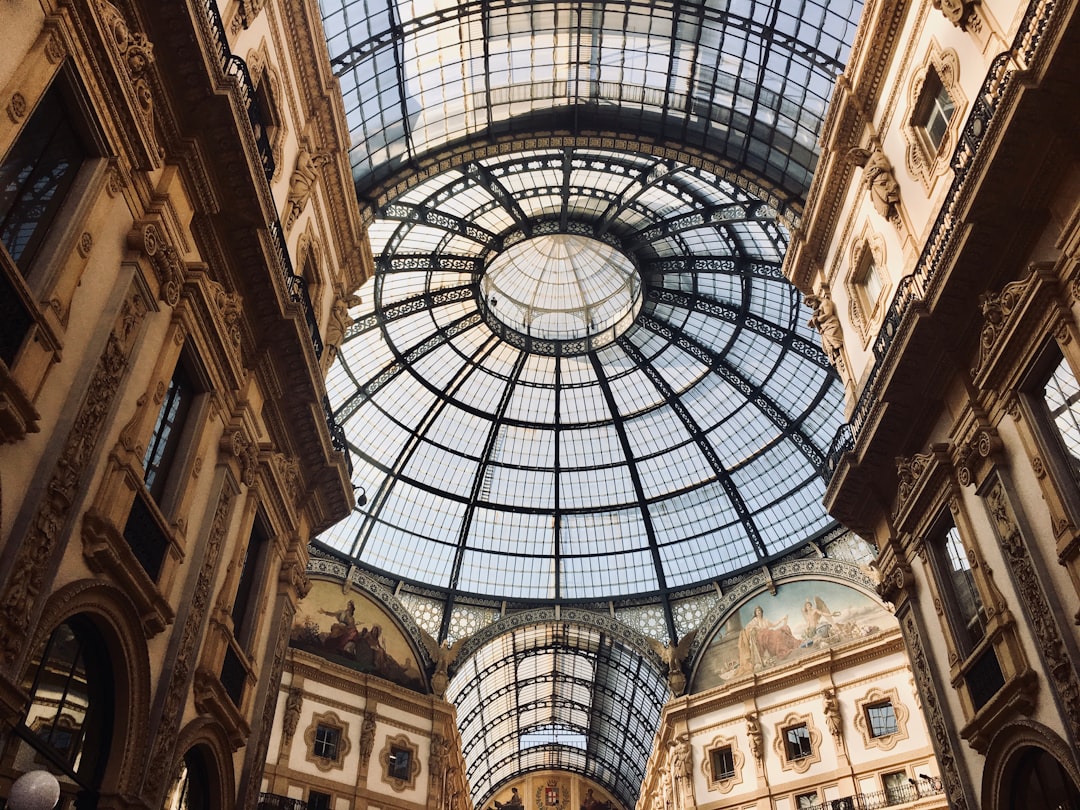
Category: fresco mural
[803,617]
[350,629]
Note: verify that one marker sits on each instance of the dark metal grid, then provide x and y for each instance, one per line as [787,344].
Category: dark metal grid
[690,449]
[747,80]
[565,678]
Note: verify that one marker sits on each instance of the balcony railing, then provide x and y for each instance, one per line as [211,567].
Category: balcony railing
[272,801]
[295,285]
[893,797]
[913,287]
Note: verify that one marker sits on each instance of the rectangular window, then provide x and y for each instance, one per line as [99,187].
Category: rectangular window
[797,742]
[806,801]
[870,282]
[38,173]
[398,763]
[723,763]
[317,800]
[935,110]
[897,788]
[326,741]
[1060,399]
[164,441]
[243,604]
[881,719]
[956,582]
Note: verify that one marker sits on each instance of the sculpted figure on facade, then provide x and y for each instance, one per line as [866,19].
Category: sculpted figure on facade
[879,180]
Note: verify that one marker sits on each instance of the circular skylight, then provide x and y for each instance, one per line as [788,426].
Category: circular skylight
[561,292]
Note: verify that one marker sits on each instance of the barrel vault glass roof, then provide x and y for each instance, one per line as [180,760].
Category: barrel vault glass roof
[623,436]
[744,79]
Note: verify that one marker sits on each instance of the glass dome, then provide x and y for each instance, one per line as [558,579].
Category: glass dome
[561,468]
[559,289]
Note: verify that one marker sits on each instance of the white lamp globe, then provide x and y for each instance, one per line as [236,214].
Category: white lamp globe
[34,790]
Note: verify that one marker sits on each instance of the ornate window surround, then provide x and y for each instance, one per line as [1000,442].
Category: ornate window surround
[330,720]
[723,784]
[801,765]
[261,68]
[867,255]
[400,742]
[921,161]
[885,742]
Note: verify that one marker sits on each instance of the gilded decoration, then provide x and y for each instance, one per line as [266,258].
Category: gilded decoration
[884,742]
[400,759]
[799,764]
[328,720]
[720,782]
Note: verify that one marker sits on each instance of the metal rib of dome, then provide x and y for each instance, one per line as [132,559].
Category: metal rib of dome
[690,447]
[744,79]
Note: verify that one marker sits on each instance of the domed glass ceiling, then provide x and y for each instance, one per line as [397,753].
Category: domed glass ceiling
[559,288]
[684,448]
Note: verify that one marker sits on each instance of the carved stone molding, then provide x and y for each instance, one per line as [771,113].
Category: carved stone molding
[237,444]
[960,13]
[802,764]
[344,744]
[719,782]
[1059,665]
[18,416]
[400,742]
[136,55]
[935,719]
[884,742]
[972,455]
[179,673]
[48,527]
[1018,309]
[17,107]
[922,479]
[164,258]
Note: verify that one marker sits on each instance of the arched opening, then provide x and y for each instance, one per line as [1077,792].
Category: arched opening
[1039,780]
[193,787]
[67,728]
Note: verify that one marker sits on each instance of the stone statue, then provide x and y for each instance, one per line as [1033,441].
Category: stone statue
[292,714]
[442,655]
[753,734]
[674,655]
[879,180]
[825,320]
[832,712]
[304,176]
[367,737]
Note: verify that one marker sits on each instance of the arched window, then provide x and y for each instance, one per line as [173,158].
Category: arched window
[67,727]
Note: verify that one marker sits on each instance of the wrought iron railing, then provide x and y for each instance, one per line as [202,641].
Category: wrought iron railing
[272,801]
[295,285]
[913,287]
[895,796]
